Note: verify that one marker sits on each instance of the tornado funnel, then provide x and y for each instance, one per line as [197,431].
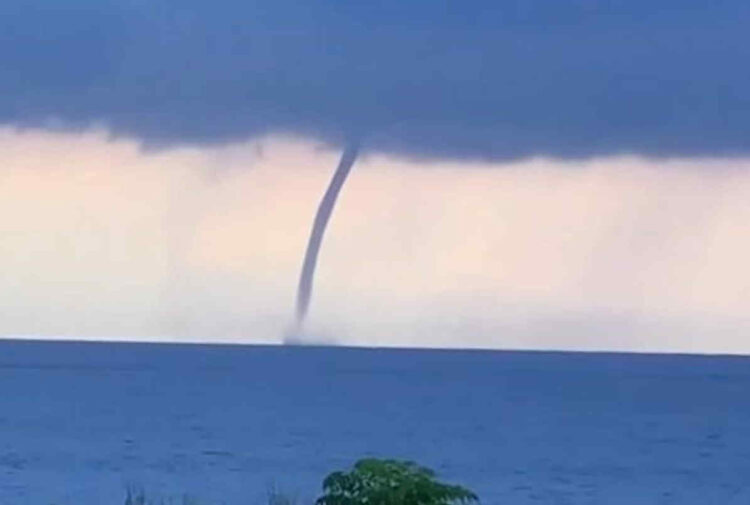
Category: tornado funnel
[322,216]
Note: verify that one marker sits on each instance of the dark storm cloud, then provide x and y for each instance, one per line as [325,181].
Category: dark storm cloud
[486,79]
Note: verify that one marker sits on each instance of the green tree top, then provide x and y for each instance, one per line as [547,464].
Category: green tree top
[390,482]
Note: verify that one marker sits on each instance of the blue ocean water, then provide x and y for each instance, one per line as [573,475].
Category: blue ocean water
[80,422]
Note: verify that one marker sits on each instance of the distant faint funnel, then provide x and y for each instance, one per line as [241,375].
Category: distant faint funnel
[304,290]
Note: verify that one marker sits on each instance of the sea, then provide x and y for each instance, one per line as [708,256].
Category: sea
[83,423]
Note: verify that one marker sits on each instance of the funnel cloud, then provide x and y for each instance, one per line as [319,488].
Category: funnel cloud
[322,216]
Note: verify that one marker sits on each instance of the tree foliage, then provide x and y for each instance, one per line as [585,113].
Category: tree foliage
[390,482]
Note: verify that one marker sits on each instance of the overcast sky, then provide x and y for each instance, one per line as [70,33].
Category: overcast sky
[538,174]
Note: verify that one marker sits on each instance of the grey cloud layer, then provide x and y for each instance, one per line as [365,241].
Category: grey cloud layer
[482,79]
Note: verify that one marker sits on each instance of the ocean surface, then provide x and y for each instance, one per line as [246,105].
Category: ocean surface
[82,422]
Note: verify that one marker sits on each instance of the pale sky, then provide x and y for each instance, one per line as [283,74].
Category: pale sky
[546,174]
[102,238]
